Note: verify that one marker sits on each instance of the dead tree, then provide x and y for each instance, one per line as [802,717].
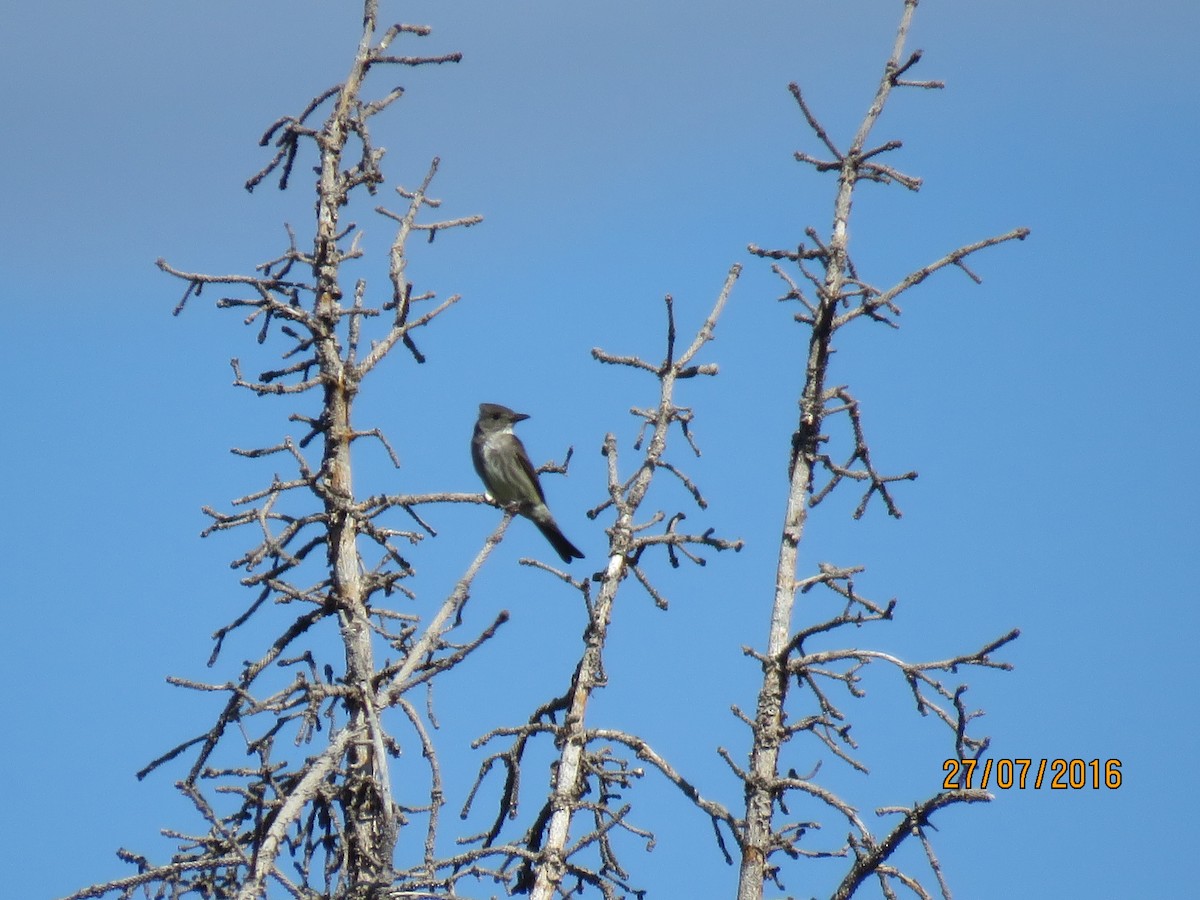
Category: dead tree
[323,823]
[594,766]
[822,277]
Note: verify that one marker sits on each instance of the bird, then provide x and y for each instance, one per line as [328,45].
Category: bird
[509,476]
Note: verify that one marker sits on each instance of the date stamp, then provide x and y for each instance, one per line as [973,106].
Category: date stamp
[1022,774]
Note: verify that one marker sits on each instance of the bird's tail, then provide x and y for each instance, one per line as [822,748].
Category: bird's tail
[564,548]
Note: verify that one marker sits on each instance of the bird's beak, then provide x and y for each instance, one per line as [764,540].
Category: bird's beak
[520,417]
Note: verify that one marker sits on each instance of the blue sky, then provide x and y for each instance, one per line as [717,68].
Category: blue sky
[620,151]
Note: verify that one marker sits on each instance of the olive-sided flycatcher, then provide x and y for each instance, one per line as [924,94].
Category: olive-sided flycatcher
[509,476]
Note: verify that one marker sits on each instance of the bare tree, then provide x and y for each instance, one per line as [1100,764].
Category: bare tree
[823,278]
[324,822]
[590,771]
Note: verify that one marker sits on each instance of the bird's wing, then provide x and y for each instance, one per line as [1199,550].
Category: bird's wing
[523,458]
